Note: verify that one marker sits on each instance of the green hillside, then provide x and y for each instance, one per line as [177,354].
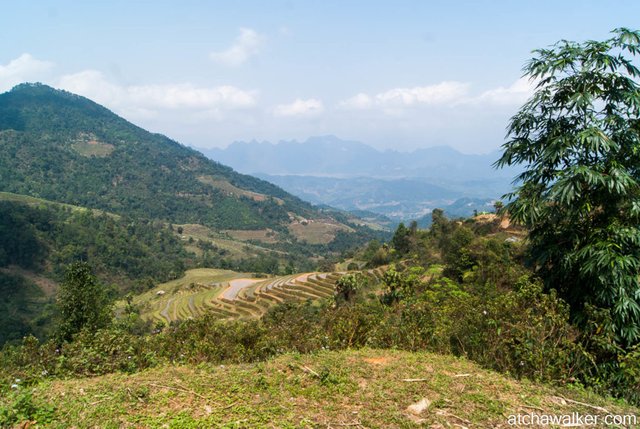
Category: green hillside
[77,182]
[66,148]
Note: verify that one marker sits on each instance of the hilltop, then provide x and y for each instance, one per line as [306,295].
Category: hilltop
[362,389]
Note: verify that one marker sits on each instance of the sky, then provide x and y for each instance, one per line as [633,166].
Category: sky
[393,74]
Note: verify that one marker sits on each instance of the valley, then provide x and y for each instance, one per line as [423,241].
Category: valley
[81,183]
[355,177]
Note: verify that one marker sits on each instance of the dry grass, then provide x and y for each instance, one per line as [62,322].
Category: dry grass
[263,235]
[230,189]
[316,231]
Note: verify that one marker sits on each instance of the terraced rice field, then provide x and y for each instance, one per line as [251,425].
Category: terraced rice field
[231,295]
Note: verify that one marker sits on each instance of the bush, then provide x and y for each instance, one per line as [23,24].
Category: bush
[20,407]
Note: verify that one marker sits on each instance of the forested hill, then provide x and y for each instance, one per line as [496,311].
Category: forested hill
[63,147]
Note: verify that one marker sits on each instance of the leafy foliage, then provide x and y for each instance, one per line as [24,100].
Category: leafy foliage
[348,285]
[22,407]
[22,308]
[121,249]
[579,138]
[83,303]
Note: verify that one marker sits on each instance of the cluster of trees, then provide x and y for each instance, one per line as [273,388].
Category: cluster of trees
[578,197]
[127,256]
[491,309]
[122,250]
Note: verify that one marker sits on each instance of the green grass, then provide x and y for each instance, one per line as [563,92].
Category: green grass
[360,389]
[33,201]
[8,196]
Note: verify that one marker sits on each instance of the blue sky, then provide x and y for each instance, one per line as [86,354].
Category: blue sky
[394,74]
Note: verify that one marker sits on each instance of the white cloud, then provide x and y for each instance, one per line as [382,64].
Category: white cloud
[22,69]
[515,94]
[248,43]
[451,93]
[92,84]
[299,107]
[144,99]
[357,102]
[442,93]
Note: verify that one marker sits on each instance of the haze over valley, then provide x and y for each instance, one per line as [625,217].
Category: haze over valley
[353,176]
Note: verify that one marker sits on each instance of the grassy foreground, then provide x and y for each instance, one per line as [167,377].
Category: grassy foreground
[354,389]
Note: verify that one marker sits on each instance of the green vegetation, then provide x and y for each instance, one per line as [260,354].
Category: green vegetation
[578,138]
[551,298]
[491,310]
[38,239]
[82,302]
[21,308]
[348,286]
[46,237]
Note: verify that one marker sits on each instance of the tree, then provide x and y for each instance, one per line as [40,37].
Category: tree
[348,285]
[400,240]
[578,138]
[83,303]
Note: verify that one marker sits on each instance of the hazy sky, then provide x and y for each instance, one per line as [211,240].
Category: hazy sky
[394,74]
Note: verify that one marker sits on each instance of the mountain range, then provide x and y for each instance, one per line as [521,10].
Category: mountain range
[353,176]
[334,157]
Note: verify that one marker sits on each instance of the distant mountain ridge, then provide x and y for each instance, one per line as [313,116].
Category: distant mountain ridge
[331,156]
[352,176]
